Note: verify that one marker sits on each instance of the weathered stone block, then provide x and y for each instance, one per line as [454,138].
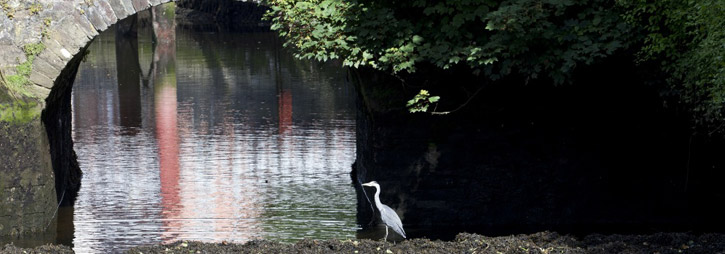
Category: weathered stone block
[62,10]
[72,39]
[51,57]
[100,14]
[83,24]
[96,18]
[158,2]
[140,5]
[42,66]
[119,9]
[107,12]
[65,17]
[41,80]
[39,91]
[6,32]
[10,55]
[129,7]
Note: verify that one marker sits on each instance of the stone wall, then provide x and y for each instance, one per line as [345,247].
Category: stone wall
[27,194]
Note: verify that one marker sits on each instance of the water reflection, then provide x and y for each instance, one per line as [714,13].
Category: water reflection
[226,138]
[127,62]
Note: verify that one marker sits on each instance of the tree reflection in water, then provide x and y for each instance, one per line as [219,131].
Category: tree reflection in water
[221,150]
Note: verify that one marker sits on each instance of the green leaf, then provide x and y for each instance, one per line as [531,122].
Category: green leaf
[417,39]
[367,55]
[490,26]
[490,60]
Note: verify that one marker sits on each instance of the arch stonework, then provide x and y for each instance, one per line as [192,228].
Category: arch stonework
[61,29]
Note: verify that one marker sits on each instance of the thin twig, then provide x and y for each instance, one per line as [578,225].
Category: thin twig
[459,107]
[5,82]
[716,129]
[2,78]
[56,210]
[405,83]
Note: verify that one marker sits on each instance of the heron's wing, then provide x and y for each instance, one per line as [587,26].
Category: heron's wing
[391,219]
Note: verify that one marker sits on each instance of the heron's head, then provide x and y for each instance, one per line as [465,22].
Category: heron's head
[371,184]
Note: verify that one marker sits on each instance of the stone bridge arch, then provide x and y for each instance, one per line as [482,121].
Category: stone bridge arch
[61,29]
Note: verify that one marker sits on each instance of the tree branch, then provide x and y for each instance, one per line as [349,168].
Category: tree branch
[459,107]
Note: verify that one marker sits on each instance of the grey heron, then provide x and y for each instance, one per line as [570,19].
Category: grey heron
[387,214]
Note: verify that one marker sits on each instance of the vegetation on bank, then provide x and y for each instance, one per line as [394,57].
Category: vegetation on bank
[685,41]
[678,44]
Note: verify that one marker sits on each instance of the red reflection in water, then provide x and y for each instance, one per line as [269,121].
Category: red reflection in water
[166,107]
[168,140]
[285,110]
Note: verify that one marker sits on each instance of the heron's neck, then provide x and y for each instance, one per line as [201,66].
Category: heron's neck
[377,197]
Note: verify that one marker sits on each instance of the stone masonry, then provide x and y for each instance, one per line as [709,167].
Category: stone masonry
[64,27]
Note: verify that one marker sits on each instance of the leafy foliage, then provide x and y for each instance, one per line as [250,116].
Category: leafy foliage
[531,38]
[687,40]
[524,38]
[421,102]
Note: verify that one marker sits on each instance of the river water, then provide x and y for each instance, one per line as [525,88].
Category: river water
[226,138]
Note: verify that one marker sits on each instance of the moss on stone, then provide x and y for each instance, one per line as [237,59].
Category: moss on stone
[170,10]
[18,82]
[19,112]
[33,49]
[9,10]
[35,8]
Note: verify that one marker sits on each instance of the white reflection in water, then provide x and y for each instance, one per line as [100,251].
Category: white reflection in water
[239,142]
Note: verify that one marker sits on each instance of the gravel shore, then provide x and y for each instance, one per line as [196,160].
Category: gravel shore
[543,242]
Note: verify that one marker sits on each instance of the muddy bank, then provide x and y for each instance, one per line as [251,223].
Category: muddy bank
[543,242]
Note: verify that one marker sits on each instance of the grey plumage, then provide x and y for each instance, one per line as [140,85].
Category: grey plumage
[387,214]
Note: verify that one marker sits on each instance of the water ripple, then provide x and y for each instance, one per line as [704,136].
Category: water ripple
[231,152]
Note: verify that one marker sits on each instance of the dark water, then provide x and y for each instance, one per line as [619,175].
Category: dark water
[227,138]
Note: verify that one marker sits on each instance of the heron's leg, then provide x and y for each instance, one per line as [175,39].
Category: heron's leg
[386,233]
